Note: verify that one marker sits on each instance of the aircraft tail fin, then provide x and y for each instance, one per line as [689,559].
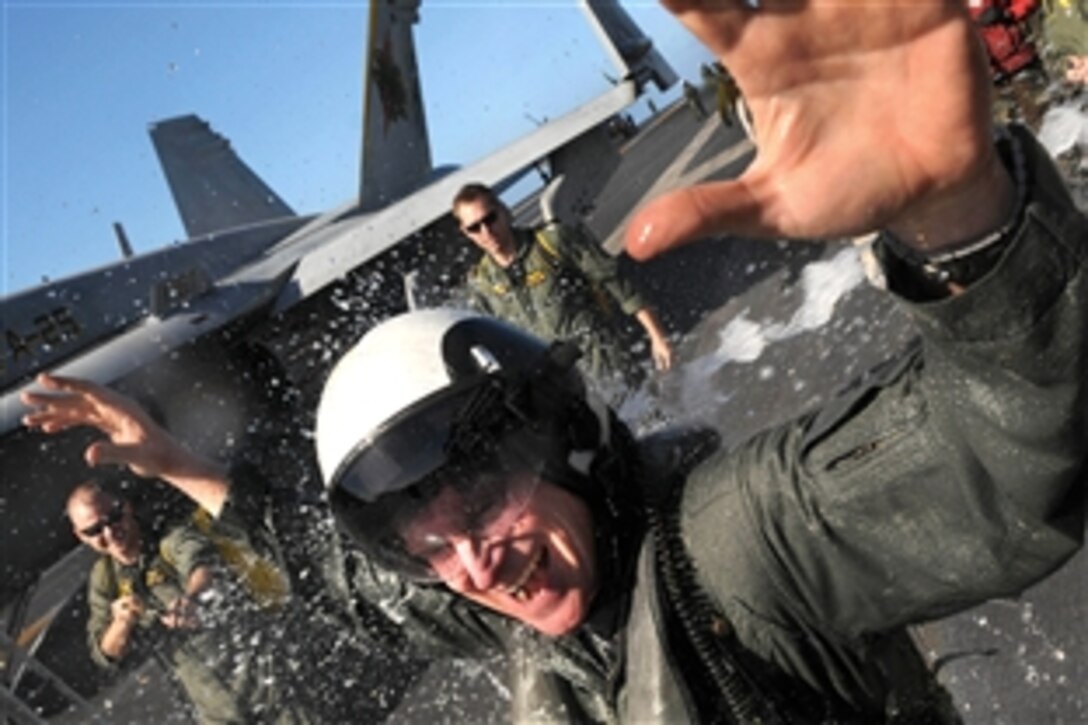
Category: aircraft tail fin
[396,158]
[212,187]
[632,53]
[581,167]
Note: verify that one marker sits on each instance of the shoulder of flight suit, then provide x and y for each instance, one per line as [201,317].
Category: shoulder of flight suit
[185,548]
[578,248]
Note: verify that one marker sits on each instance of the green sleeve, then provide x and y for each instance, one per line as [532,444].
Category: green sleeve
[1065,27]
[960,481]
[957,475]
[950,476]
[186,549]
[248,498]
[583,251]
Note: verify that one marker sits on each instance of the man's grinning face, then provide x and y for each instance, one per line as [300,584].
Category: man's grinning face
[535,562]
[487,225]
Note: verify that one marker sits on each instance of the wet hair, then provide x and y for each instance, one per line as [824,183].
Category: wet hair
[473,192]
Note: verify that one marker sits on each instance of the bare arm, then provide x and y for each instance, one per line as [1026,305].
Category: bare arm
[660,349]
[124,615]
[133,439]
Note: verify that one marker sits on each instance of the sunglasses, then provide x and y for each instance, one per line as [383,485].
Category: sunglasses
[488,221]
[111,519]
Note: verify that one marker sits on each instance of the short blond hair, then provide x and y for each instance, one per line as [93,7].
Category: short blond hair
[475,192]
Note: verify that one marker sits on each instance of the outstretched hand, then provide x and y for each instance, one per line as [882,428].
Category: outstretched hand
[133,439]
[868,114]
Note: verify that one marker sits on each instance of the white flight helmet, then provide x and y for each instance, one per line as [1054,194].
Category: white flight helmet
[453,392]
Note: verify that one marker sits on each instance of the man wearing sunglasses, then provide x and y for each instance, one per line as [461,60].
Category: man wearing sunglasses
[145,596]
[499,506]
[557,283]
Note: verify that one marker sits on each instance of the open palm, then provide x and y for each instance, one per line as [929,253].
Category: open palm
[866,114]
[133,438]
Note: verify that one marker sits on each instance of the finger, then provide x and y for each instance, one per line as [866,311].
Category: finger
[46,400]
[67,384]
[105,453]
[51,424]
[58,415]
[79,389]
[49,382]
[38,418]
[717,23]
[59,405]
[695,212]
[59,386]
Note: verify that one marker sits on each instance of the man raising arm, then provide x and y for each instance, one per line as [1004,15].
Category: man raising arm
[772,581]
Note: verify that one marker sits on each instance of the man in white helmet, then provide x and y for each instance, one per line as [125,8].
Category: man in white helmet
[498,507]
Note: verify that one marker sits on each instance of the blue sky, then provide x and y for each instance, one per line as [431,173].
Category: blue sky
[82,81]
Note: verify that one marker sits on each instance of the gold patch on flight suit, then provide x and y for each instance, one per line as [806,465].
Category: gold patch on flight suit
[154,577]
[535,277]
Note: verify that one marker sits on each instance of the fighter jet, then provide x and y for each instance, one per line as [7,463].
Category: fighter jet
[179,326]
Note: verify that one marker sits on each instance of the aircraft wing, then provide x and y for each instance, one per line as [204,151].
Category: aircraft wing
[317,254]
[232,299]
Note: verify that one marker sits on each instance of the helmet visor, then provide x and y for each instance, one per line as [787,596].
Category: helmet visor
[464,464]
[405,450]
[412,530]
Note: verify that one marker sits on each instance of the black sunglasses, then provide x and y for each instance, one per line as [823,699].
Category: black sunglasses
[488,221]
[111,519]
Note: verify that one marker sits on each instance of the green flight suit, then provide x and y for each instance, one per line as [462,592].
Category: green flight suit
[945,478]
[228,678]
[1065,31]
[949,476]
[562,285]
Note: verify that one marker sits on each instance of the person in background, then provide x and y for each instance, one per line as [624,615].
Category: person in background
[557,282]
[1065,34]
[1015,64]
[726,93]
[152,593]
[496,506]
[694,99]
